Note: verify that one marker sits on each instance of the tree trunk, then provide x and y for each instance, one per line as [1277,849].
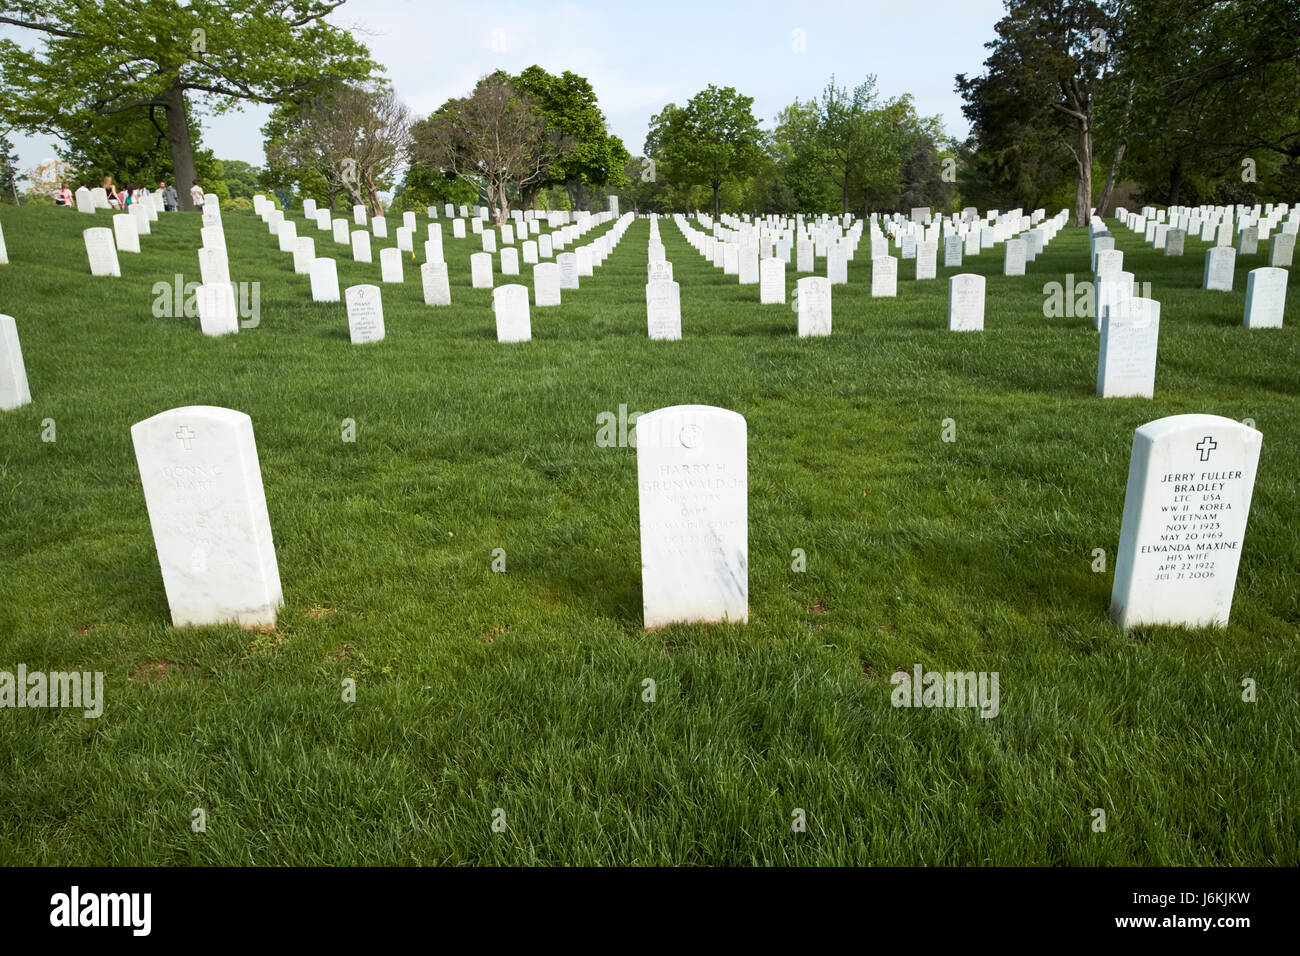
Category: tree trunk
[715,199]
[178,141]
[845,195]
[1083,192]
[372,194]
[1104,198]
[1175,181]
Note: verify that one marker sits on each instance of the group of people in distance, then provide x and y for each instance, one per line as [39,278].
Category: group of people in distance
[130,195]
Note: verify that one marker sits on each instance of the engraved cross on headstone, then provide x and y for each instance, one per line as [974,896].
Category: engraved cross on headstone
[1205,446]
[185,435]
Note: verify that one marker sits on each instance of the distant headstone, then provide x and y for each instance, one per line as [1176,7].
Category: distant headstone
[884,276]
[927,253]
[530,251]
[663,307]
[304,254]
[437,288]
[1265,298]
[1281,250]
[952,247]
[480,270]
[812,303]
[1190,482]
[379,227]
[510,303]
[509,262]
[546,284]
[390,265]
[966,303]
[1013,260]
[1109,261]
[203,491]
[545,249]
[324,280]
[1175,239]
[125,234]
[1248,241]
[101,252]
[489,240]
[217,312]
[342,235]
[361,246]
[458,228]
[568,263]
[13,373]
[1220,262]
[358,215]
[85,201]
[771,281]
[1126,366]
[692,480]
[365,314]
[214,266]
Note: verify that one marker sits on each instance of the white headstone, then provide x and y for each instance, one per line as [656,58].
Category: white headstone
[1220,263]
[101,252]
[546,284]
[530,251]
[884,276]
[125,234]
[13,373]
[1013,261]
[509,262]
[304,254]
[203,492]
[1281,250]
[545,248]
[693,494]
[1190,482]
[365,313]
[510,303]
[217,312]
[1265,298]
[361,246]
[85,201]
[390,265]
[568,263]
[927,255]
[437,289]
[342,235]
[952,247]
[966,302]
[324,280]
[1130,332]
[480,269]
[379,227]
[812,303]
[663,306]
[458,228]
[358,215]
[771,281]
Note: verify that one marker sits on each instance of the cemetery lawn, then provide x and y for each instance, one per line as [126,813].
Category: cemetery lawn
[523,690]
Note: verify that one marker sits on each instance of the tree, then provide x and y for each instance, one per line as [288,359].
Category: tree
[589,154]
[354,137]
[495,139]
[9,174]
[163,53]
[1044,70]
[712,140]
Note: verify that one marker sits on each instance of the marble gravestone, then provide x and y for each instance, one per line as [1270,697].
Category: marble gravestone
[927,255]
[1013,259]
[509,262]
[692,483]
[214,266]
[203,492]
[341,233]
[217,312]
[546,284]
[510,305]
[1281,249]
[1265,298]
[324,280]
[379,227]
[1126,365]
[101,251]
[480,270]
[365,314]
[4,252]
[747,266]
[952,249]
[287,235]
[584,261]
[1190,482]
[1175,239]
[530,252]
[1109,261]
[304,254]
[884,276]
[433,279]
[966,303]
[390,264]
[568,263]
[14,392]
[458,228]
[85,200]
[126,233]
[663,308]
[358,215]
[545,249]
[361,246]
[433,247]
[488,240]
[1220,262]
[812,304]
[771,281]
[324,222]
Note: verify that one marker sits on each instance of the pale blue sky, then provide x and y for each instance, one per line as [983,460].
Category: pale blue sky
[640,56]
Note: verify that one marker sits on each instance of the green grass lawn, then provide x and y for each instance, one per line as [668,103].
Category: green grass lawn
[523,691]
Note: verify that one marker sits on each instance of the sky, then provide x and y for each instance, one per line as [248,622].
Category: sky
[641,55]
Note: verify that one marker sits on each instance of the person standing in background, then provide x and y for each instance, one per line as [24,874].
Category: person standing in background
[196,195]
[171,201]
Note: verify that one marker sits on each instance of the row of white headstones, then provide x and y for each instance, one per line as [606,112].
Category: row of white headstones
[1188,497]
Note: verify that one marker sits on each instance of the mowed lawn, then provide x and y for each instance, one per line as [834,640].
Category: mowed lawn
[518,696]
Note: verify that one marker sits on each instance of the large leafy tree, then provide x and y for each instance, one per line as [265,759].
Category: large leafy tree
[711,141]
[494,139]
[126,55]
[1043,74]
[590,155]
